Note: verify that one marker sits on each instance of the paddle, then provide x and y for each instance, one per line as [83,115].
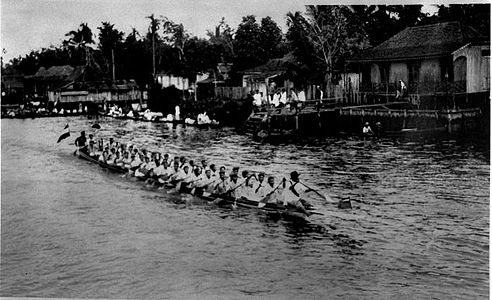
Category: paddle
[326,197]
[261,203]
[231,190]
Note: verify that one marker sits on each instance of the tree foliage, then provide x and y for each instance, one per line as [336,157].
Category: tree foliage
[319,39]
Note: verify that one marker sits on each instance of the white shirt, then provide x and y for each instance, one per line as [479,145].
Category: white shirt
[293,193]
[302,96]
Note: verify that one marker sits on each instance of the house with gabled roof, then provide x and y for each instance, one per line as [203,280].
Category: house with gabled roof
[443,58]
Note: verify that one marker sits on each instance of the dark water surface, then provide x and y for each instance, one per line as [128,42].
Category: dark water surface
[419,229]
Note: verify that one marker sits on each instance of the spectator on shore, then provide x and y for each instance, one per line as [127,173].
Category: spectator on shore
[283,97]
[276,99]
[302,96]
[401,90]
[176,113]
[257,98]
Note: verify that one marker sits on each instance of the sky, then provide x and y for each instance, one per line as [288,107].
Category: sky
[32,24]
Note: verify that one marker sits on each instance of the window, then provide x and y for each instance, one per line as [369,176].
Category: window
[413,71]
[384,72]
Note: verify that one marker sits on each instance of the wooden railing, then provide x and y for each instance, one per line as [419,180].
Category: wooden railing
[418,88]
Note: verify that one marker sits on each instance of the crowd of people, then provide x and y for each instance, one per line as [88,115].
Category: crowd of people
[280,97]
[192,177]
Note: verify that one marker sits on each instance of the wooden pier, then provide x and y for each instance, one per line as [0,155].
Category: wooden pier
[326,117]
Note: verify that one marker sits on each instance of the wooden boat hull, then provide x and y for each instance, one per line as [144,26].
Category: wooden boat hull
[116,169]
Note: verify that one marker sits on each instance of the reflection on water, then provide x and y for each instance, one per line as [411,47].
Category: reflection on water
[419,226]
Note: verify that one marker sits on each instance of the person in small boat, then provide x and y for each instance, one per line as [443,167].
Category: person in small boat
[81,142]
[293,192]
[366,130]
[221,187]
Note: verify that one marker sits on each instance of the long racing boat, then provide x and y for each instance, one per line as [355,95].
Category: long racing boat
[273,209]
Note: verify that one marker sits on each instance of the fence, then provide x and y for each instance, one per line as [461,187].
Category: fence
[231,92]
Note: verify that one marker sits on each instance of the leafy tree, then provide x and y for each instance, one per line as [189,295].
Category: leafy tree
[247,44]
[175,36]
[110,40]
[475,15]
[325,36]
[271,39]
[223,41]
[79,44]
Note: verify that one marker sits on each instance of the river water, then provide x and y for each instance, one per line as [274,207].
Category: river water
[419,227]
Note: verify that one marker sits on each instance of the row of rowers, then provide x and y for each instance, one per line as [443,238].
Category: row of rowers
[202,177]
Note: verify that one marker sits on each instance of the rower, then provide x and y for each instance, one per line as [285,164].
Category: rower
[112,157]
[81,142]
[126,160]
[183,178]
[222,186]
[136,162]
[204,183]
[235,170]
[182,162]
[293,191]
[143,170]
[92,149]
[268,191]
[258,184]
[245,190]
[213,170]
[103,156]
[91,138]
[233,185]
[111,142]
[165,159]
[204,164]
[119,159]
